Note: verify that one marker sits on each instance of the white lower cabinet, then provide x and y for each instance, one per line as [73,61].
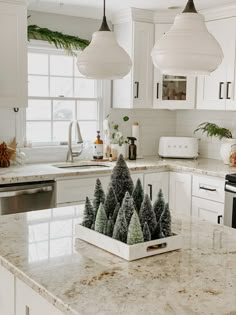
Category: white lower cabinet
[7,292]
[180,192]
[208,210]
[28,302]
[153,182]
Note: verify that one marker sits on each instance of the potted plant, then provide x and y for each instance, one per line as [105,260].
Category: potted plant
[117,140]
[213,130]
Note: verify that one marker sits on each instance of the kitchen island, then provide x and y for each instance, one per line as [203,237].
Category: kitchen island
[40,249]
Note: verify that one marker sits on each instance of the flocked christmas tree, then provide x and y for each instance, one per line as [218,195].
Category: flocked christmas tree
[88,218]
[147,214]
[110,202]
[146,233]
[159,208]
[99,197]
[135,233]
[101,220]
[121,227]
[138,195]
[166,222]
[128,207]
[121,180]
[115,214]
[110,227]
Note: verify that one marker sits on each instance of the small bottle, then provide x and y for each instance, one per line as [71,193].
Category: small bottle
[98,148]
[132,149]
[110,158]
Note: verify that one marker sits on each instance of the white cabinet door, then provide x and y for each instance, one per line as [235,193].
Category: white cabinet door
[180,191]
[208,210]
[154,182]
[135,89]
[28,302]
[13,55]
[217,89]
[7,292]
[172,92]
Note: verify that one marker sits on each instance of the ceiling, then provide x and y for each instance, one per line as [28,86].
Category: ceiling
[93,8]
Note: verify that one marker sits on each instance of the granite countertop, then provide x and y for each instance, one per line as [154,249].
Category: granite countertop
[79,279]
[39,172]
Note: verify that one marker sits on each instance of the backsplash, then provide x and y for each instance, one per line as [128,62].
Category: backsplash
[187,122]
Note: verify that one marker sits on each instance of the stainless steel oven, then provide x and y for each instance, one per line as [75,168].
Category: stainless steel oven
[230,201]
[25,197]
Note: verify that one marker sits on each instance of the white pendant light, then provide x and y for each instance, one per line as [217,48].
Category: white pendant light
[104,58]
[188,48]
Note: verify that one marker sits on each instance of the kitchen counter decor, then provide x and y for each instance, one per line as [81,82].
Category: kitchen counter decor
[124,222]
[4,155]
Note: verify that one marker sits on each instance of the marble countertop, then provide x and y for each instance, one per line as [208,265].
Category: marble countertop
[39,172]
[79,279]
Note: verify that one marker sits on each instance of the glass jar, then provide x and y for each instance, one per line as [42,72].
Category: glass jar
[232,157]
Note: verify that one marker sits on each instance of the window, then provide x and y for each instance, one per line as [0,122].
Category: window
[58,93]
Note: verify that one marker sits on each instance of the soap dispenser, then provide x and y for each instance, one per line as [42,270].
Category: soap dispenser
[98,148]
[132,149]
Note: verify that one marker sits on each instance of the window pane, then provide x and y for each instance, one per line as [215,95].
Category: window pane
[38,86]
[39,131]
[85,88]
[76,70]
[63,110]
[61,87]
[88,130]
[61,65]
[60,131]
[87,110]
[38,110]
[37,63]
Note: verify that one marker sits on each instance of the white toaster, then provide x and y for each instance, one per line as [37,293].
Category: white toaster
[178,147]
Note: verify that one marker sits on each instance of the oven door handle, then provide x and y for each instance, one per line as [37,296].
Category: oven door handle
[31,191]
[230,188]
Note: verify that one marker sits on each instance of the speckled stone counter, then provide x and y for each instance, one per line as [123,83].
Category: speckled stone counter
[40,249]
[39,172]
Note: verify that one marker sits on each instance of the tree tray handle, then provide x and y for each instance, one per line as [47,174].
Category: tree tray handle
[156,247]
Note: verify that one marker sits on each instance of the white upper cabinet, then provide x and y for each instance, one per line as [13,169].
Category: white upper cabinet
[13,55]
[217,91]
[135,89]
[172,92]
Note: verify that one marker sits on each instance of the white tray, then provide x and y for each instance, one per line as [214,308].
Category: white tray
[129,252]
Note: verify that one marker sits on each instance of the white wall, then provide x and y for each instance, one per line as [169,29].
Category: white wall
[187,122]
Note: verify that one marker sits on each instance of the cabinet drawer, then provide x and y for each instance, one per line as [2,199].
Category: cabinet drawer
[76,190]
[208,188]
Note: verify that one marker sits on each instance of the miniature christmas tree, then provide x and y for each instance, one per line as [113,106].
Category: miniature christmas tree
[121,227]
[166,222]
[159,208]
[128,207]
[110,227]
[99,196]
[88,218]
[146,233]
[135,233]
[138,195]
[115,214]
[101,220]
[147,214]
[110,202]
[121,180]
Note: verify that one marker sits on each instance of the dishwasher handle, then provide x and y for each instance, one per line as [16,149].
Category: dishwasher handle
[25,191]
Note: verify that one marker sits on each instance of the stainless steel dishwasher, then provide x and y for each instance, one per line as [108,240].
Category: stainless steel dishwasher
[15,198]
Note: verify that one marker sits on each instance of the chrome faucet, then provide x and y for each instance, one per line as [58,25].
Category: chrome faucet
[70,153]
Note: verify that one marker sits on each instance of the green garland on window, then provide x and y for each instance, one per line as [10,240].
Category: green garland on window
[59,40]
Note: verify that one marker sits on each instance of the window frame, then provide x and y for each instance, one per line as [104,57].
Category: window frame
[44,47]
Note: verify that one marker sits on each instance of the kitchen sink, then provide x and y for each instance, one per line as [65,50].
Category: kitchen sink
[81,166]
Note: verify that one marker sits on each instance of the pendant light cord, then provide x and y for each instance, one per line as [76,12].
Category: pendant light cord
[190,7]
[104,27]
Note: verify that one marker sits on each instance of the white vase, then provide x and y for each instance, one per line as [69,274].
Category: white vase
[225,149]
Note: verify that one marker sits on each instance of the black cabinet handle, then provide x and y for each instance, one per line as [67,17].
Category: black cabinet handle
[219,219]
[208,189]
[227,91]
[150,187]
[157,90]
[137,89]
[220,90]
